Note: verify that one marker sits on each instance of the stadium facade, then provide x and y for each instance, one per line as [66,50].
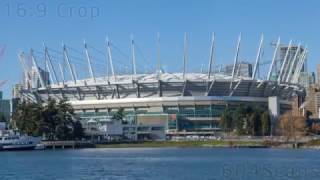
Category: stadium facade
[179,102]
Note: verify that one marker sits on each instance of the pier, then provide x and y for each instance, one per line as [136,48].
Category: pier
[67,144]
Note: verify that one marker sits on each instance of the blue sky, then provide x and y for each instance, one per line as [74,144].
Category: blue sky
[26,24]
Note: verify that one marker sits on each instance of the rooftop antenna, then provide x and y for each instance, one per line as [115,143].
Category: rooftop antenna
[273,59]
[185,55]
[89,61]
[211,60]
[65,52]
[284,63]
[110,58]
[134,70]
[235,59]
[257,58]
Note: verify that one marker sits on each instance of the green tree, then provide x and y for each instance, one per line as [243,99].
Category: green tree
[119,115]
[265,124]
[78,132]
[2,117]
[65,119]
[54,120]
[50,119]
[240,118]
[226,121]
[27,118]
[253,127]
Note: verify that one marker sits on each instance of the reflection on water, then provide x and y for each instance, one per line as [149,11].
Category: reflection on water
[161,164]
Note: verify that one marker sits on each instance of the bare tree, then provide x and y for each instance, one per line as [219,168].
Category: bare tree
[292,126]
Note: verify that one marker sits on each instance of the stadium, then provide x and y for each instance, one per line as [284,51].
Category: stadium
[180,102]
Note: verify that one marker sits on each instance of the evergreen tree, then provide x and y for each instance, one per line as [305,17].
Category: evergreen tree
[226,121]
[28,117]
[50,119]
[265,124]
[2,118]
[78,132]
[240,120]
[119,115]
[254,124]
[54,120]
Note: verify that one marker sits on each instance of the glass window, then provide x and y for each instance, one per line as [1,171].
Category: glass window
[217,110]
[143,128]
[202,111]
[170,109]
[187,111]
[157,128]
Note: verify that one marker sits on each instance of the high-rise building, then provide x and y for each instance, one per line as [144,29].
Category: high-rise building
[312,103]
[305,79]
[291,65]
[313,78]
[35,79]
[5,108]
[243,69]
[318,74]
[16,91]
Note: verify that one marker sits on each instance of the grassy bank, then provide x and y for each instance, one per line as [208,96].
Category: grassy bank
[214,143]
[312,143]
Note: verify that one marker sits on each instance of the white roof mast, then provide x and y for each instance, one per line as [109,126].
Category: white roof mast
[211,60]
[185,55]
[273,59]
[89,61]
[134,70]
[257,59]
[235,60]
[48,57]
[284,63]
[110,59]
[34,62]
[69,64]
[287,78]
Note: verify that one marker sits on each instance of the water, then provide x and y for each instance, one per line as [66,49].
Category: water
[161,164]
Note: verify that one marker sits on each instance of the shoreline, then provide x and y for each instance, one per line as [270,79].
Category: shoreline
[211,144]
[186,144]
[254,144]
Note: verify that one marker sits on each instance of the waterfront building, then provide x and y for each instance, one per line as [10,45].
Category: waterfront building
[181,102]
[105,127]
